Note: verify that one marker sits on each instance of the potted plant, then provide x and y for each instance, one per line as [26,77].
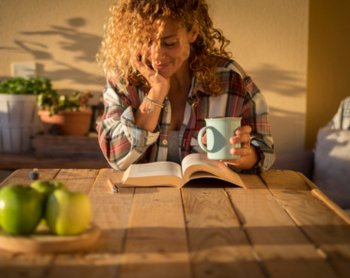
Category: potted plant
[18,112]
[63,115]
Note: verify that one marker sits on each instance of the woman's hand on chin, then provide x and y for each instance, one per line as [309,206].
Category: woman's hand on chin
[159,84]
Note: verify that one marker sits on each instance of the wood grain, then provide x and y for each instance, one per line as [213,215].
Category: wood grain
[324,198]
[74,147]
[110,214]
[78,179]
[280,226]
[282,248]
[43,241]
[329,232]
[31,265]
[21,176]
[111,211]
[218,246]
[28,160]
[156,243]
[54,265]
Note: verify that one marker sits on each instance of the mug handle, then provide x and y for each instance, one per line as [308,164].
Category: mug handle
[199,138]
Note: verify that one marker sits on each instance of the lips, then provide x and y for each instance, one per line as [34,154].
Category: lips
[162,66]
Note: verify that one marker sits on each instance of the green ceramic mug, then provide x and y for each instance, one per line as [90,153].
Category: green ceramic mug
[219,131]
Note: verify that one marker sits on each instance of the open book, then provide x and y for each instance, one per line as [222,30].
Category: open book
[166,173]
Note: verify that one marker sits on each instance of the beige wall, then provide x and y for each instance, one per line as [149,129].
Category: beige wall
[61,36]
[329,60]
[269,38]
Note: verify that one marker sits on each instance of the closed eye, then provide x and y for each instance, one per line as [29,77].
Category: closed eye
[164,43]
[169,44]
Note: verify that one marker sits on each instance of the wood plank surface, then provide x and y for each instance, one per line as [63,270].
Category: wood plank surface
[218,246]
[25,265]
[75,147]
[156,243]
[329,232]
[28,160]
[324,198]
[111,211]
[282,248]
[43,241]
[22,176]
[78,179]
[280,226]
[73,265]
[110,214]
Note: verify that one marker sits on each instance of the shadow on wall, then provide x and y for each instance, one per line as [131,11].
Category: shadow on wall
[83,46]
[282,82]
[287,125]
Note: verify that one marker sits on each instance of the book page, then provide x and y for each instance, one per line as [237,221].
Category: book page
[193,166]
[164,168]
[164,173]
[199,158]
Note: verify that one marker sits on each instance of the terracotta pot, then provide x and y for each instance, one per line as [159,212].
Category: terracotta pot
[75,123]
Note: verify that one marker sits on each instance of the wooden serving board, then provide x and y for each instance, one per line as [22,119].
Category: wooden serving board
[42,241]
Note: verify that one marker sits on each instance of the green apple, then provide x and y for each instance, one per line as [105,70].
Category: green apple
[67,212]
[47,187]
[21,208]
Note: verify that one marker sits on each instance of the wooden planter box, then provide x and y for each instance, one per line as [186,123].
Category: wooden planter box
[75,147]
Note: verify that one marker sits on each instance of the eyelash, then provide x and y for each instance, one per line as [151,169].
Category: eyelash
[169,44]
[165,44]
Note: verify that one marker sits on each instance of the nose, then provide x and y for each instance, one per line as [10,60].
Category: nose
[157,53]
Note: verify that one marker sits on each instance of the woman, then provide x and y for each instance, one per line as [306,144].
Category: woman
[167,70]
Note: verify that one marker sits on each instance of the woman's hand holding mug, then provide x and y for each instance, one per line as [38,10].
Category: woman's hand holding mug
[235,150]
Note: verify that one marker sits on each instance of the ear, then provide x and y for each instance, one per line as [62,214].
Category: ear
[194,32]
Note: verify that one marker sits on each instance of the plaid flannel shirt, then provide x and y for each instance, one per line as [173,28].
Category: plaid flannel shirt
[123,143]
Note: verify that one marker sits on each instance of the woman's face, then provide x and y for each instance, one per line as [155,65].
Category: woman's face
[173,50]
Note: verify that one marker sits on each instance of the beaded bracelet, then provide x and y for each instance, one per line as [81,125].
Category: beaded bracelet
[152,101]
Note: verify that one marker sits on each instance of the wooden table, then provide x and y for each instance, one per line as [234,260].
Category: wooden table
[280,226]
[64,152]
[14,161]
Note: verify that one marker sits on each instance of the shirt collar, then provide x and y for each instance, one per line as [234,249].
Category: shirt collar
[196,86]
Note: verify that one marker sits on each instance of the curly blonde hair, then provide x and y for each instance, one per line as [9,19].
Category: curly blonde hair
[129,26]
